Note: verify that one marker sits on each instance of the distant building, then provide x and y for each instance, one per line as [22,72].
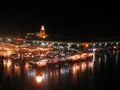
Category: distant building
[42,34]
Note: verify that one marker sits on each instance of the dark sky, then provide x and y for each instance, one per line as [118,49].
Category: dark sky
[73,20]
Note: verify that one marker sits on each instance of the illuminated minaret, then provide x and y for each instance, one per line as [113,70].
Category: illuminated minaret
[42,33]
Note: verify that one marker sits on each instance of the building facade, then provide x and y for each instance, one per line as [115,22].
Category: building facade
[42,34]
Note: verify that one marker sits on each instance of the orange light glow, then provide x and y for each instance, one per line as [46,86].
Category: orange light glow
[39,78]
[19,39]
[83,66]
[42,27]
[85,45]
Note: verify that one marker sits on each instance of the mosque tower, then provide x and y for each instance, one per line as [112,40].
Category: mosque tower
[42,33]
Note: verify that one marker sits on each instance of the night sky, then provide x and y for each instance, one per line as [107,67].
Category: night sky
[69,20]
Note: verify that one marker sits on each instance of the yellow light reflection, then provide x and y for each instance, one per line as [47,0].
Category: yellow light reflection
[39,78]
[83,66]
[75,69]
[17,69]
[9,63]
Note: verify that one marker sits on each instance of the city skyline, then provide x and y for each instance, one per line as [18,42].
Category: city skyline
[86,21]
[65,48]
